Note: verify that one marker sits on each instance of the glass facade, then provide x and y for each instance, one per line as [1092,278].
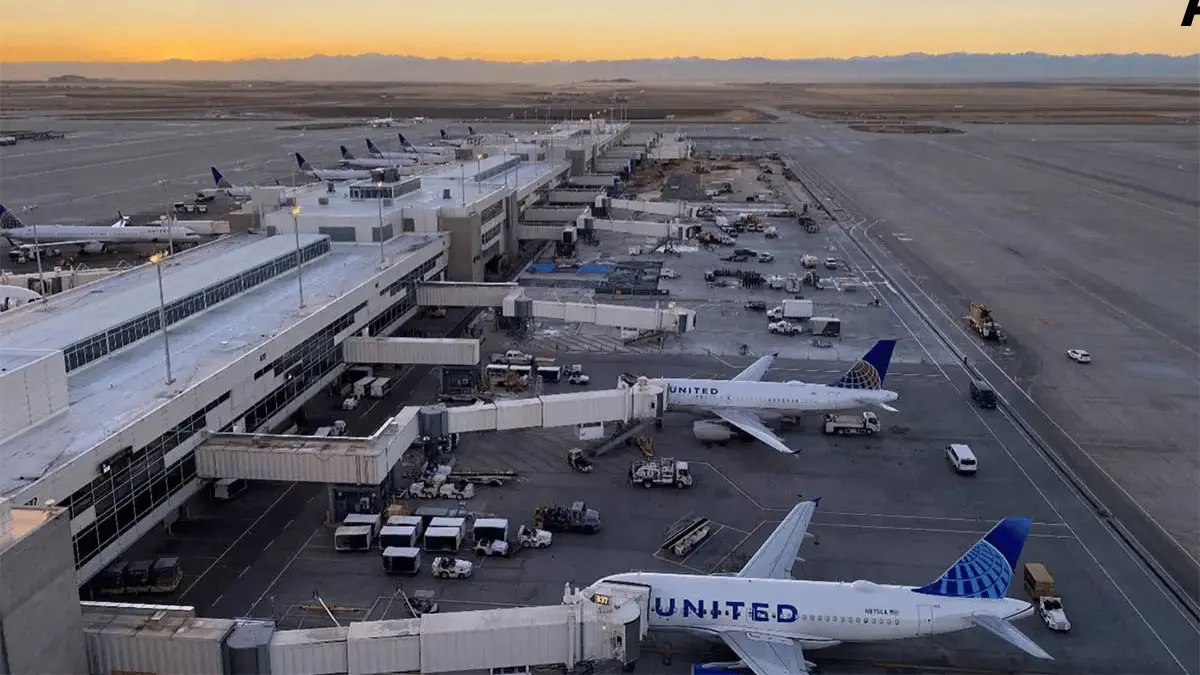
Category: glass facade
[397,309]
[102,344]
[135,481]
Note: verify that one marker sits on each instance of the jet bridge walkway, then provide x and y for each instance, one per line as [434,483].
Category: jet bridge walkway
[511,299]
[368,461]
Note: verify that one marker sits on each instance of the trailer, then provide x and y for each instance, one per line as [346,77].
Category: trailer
[660,472]
[490,529]
[361,386]
[443,539]
[379,387]
[866,424]
[686,535]
[401,560]
[825,326]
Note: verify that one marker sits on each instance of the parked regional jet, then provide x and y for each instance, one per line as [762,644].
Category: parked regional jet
[330,174]
[375,153]
[743,401]
[87,238]
[446,140]
[767,618]
[421,150]
[225,187]
[349,159]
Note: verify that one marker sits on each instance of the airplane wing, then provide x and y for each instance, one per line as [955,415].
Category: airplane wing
[56,244]
[756,370]
[1010,634]
[773,560]
[751,424]
[766,654]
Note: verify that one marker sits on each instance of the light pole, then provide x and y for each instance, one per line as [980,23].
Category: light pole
[478,165]
[37,254]
[299,260]
[157,260]
[379,186]
[170,217]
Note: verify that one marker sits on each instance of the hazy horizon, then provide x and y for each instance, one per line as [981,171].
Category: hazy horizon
[528,31]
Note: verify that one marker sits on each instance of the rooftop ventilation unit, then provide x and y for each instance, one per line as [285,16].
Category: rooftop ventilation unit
[323,201]
[446,193]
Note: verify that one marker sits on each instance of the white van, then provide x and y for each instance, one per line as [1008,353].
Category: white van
[961,458]
[228,488]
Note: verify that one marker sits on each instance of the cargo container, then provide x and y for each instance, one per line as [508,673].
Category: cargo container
[377,647]
[315,651]
[448,521]
[374,520]
[361,385]
[428,513]
[379,387]
[406,521]
[401,560]
[490,529]
[443,539]
[399,536]
[352,538]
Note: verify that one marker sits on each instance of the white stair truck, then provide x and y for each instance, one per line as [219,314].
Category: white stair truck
[865,424]
[401,560]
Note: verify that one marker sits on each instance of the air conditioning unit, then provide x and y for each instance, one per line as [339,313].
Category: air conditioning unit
[323,201]
[446,193]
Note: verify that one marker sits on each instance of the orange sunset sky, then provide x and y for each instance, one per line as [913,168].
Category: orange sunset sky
[532,30]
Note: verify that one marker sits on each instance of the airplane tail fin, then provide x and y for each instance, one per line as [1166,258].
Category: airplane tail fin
[371,147]
[471,130]
[986,570]
[122,221]
[869,371]
[9,220]
[346,152]
[404,142]
[445,136]
[302,163]
[220,179]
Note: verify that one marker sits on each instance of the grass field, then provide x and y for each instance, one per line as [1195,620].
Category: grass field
[881,107]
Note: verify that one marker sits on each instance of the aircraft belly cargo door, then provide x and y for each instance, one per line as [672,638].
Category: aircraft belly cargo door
[924,620]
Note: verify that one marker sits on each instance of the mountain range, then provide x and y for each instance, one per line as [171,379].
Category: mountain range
[1030,66]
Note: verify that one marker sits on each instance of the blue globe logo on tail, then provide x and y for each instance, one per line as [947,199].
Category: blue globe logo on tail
[986,570]
[869,371]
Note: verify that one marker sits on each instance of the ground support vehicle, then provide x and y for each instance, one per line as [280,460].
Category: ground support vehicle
[865,424]
[660,472]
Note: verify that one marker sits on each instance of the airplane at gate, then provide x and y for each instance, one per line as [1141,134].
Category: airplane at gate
[742,402]
[349,159]
[330,174]
[87,238]
[768,619]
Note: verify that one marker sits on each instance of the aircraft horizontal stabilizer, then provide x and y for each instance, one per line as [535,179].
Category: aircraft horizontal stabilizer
[1010,634]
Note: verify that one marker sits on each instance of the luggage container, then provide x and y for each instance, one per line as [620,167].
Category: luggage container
[399,536]
[448,521]
[401,560]
[372,520]
[228,488]
[166,575]
[428,513]
[406,521]
[111,580]
[491,529]
[352,538]
[138,575]
[443,539]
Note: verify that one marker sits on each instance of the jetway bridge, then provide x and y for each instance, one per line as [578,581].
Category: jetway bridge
[681,210]
[136,638]
[369,461]
[511,299]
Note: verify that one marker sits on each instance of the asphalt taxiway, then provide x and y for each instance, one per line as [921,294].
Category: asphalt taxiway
[892,512]
[1077,237]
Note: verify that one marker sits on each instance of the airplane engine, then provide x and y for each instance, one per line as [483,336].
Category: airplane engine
[94,248]
[708,431]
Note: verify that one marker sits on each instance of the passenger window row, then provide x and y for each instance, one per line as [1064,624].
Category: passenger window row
[824,618]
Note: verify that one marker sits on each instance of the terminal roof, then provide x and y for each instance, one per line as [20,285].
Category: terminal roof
[120,389]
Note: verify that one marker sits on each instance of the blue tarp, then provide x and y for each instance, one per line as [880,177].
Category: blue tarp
[542,267]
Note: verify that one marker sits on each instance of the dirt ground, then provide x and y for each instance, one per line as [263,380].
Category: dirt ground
[883,106]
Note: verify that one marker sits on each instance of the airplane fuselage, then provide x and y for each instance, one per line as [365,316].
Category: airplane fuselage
[101,235]
[778,397]
[816,614]
[339,174]
[379,162]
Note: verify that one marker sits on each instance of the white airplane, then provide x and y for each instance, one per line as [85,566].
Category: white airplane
[446,140]
[379,122]
[742,402]
[768,619]
[330,174]
[87,238]
[375,153]
[410,148]
[225,187]
[349,159]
